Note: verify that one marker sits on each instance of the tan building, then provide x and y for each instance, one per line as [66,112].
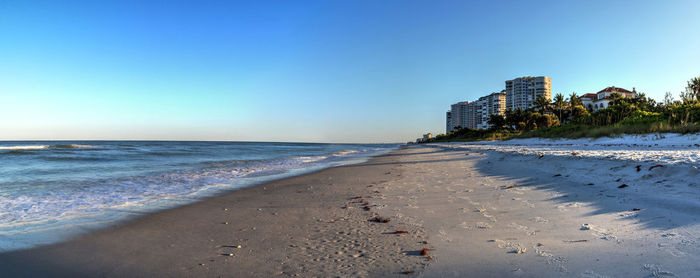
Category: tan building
[522,92]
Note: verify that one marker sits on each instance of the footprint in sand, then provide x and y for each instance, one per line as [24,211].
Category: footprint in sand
[513,247]
[525,229]
[483,225]
[656,271]
[592,274]
[442,234]
[540,220]
[567,206]
[599,232]
[559,262]
[489,217]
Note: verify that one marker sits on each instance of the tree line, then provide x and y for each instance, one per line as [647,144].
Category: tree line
[567,117]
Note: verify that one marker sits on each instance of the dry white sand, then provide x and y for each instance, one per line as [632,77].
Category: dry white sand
[498,214]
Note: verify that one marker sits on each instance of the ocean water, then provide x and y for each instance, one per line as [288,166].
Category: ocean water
[50,191]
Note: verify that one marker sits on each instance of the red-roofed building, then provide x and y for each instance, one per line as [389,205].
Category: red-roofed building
[601,99]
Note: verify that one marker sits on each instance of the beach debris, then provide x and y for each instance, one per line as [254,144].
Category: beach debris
[227,254]
[430,258]
[575,241]
[636,209]
[590,183]
[398,232]
[618,180]
[639,167]
[225,209]
[623,185]
[518,250]
[356,197]
[540,155]
[408,272]
[225,223]
[574,153]
[509,187]
[586,227]
[557,175]
[540,244]
[669,234]
[657,165]
[425,251]
[380,219]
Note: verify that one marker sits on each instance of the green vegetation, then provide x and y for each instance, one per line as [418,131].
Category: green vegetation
[569,119]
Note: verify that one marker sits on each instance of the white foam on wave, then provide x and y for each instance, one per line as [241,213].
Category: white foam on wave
[28,147]
[79,146]
[346,152]
[44,147]
[23,214]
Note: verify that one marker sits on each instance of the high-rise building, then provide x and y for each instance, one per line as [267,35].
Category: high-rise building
[448,122]
[475,114]
[522,92]
[462,114]
[494,103]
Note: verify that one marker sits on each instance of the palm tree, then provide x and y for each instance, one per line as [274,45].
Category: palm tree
[559,104]
[694,86]
[574,100]
[541,103]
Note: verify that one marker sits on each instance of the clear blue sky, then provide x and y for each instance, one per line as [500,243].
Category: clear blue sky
[319,71]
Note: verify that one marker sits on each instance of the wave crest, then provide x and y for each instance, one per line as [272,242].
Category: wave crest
[29,147]
[43,147]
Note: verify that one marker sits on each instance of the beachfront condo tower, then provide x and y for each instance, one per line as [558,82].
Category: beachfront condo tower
[494,103]
[462,115]
[475,114]
[448,125]
[522,92]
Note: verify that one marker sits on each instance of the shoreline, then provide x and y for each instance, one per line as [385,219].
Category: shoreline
[35,216]
[282,227]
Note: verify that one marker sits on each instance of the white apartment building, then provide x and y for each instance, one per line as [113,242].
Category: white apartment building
[522,92]
[448,121]
[475,114]
[494,103]
[461,115]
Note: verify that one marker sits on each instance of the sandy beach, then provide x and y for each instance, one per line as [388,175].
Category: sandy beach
[480,210]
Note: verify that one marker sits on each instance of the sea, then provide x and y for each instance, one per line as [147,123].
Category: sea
[54,190]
